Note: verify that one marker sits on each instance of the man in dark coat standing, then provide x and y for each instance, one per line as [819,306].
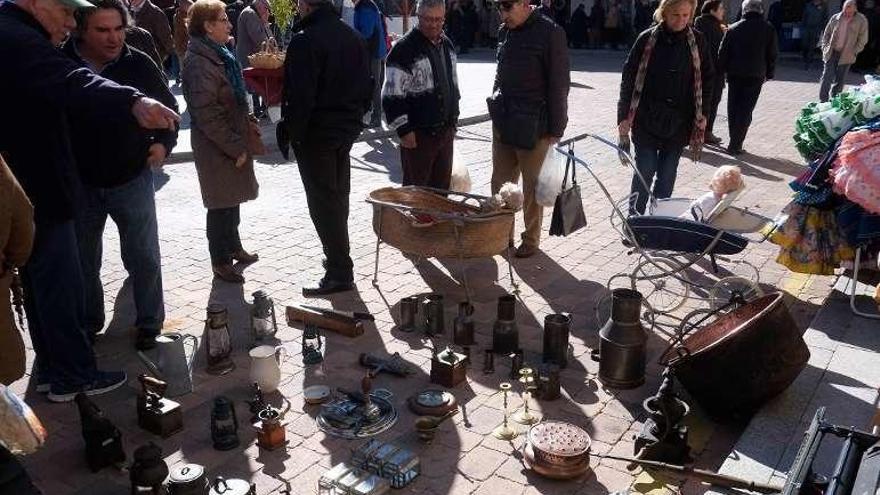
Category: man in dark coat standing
[709,24]
[327,91]
[41,87]
[122,153]
[748,57]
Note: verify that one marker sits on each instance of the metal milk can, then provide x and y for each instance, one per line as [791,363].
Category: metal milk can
[622,350]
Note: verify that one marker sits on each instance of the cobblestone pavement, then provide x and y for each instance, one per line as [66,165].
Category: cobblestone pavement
[569,275]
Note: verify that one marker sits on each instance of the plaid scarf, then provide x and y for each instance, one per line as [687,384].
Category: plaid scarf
[697,134]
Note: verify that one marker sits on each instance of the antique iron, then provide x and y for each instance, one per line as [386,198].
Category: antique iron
[311,346]
[344,478]
[756,350]
[103,439]
[218,341]
[358,414]
[409,312]
[156,414]
[516,363]
[505,331]
[663,437]
[556,331]
[270,429]
[524,416]
[463,325]
[488,362]
[393,364]
[232,486]
[504,431]
[263,323]
[188,479]
[148,471]
[548,386]
[398,465]
[224,424]
[172,366]
[433,314]
[557,450]
[623,341]
[448,368]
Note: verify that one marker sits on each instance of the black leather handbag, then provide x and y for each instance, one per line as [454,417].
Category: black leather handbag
[568,212]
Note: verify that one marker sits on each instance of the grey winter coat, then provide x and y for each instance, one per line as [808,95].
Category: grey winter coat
[219,129]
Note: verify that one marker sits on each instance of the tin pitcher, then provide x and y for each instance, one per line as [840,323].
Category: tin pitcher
[622,350]
[463,325]
[432,314]
[172,365]
[266,366]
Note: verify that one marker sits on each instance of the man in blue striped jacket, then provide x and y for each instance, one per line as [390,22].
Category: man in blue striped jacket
[420,98]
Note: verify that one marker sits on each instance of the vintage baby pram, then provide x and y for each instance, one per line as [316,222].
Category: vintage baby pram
[430,222]
[671,239]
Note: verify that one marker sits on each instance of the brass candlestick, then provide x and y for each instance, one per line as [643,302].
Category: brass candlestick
[524,416]
[504,431]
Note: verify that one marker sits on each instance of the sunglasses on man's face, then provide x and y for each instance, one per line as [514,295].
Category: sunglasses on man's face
[505,6]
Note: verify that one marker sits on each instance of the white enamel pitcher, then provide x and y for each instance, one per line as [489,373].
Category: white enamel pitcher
[266,366]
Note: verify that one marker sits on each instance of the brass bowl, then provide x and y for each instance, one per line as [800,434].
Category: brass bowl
[555,471]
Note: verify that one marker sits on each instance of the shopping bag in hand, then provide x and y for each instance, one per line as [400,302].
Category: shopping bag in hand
[568,212]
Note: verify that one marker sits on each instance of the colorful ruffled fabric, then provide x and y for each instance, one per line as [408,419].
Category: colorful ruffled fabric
[810,241]
[856,170]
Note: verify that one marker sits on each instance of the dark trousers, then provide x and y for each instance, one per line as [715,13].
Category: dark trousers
[326,174]
[712,108]
[378,70]
[741,100]
[223,237]
[430,162]
[132,207]
[53,285]
[651,162]
[832,73]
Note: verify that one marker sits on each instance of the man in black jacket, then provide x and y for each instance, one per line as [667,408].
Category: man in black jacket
[327,90]
[420,98]
[529,106]
[40,87]
[748,57]
[709,25]
[123,153]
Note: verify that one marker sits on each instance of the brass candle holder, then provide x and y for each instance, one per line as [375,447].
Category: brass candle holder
[524,416]
[504,431]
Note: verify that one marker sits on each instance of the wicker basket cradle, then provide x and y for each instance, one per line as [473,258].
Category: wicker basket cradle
[418,221]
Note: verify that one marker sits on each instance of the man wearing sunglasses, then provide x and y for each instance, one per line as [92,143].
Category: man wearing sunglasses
[529,105]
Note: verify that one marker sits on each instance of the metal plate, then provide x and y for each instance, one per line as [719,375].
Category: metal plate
[434,398]
[360,426]
[559,438]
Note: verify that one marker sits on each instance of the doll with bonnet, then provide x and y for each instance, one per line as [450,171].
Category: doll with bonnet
[727,178]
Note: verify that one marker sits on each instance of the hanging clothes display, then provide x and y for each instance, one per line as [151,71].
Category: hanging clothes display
[810,240]
[856,170]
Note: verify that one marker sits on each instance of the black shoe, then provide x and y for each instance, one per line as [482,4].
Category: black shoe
[735,151]
[146,339]
[712,139]
[327,286]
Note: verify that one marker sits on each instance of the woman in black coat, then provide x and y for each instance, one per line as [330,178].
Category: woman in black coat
[709,24]
[667,76]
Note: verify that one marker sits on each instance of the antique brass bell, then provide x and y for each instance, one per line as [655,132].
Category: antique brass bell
[263,323]
[224,424]
[218,341]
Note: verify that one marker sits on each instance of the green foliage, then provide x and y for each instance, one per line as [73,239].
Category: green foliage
[283,10]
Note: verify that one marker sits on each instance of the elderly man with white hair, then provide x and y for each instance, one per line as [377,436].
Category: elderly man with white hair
[747,57]
[845,36]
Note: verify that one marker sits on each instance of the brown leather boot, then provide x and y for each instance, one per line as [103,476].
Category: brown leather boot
[228,274]
[245,257]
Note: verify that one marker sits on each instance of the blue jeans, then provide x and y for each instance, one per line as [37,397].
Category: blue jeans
[132,207]
[651,162]
[53,285]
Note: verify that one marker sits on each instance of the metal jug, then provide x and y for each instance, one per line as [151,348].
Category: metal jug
[556,331]
[505,332]
[172,365]
[622,350]
[188,479]
[432,312]
[463,325]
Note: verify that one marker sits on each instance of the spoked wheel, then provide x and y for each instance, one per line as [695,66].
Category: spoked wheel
[730,289]
[662,282]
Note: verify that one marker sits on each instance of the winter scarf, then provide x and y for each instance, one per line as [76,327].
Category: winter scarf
[232,67]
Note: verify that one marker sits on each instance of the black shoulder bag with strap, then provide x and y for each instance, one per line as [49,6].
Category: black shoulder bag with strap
[568,212]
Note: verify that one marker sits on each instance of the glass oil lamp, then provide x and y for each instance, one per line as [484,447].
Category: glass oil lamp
[224,424]
[263,323]
[311,346]
[218,341]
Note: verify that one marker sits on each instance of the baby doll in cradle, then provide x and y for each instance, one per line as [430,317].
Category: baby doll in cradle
[727,179]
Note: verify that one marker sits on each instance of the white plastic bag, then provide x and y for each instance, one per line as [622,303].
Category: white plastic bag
[461,178]
[20,430]
[550,178]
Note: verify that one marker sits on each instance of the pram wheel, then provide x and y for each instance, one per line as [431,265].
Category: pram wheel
[662,282]
[728,289]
